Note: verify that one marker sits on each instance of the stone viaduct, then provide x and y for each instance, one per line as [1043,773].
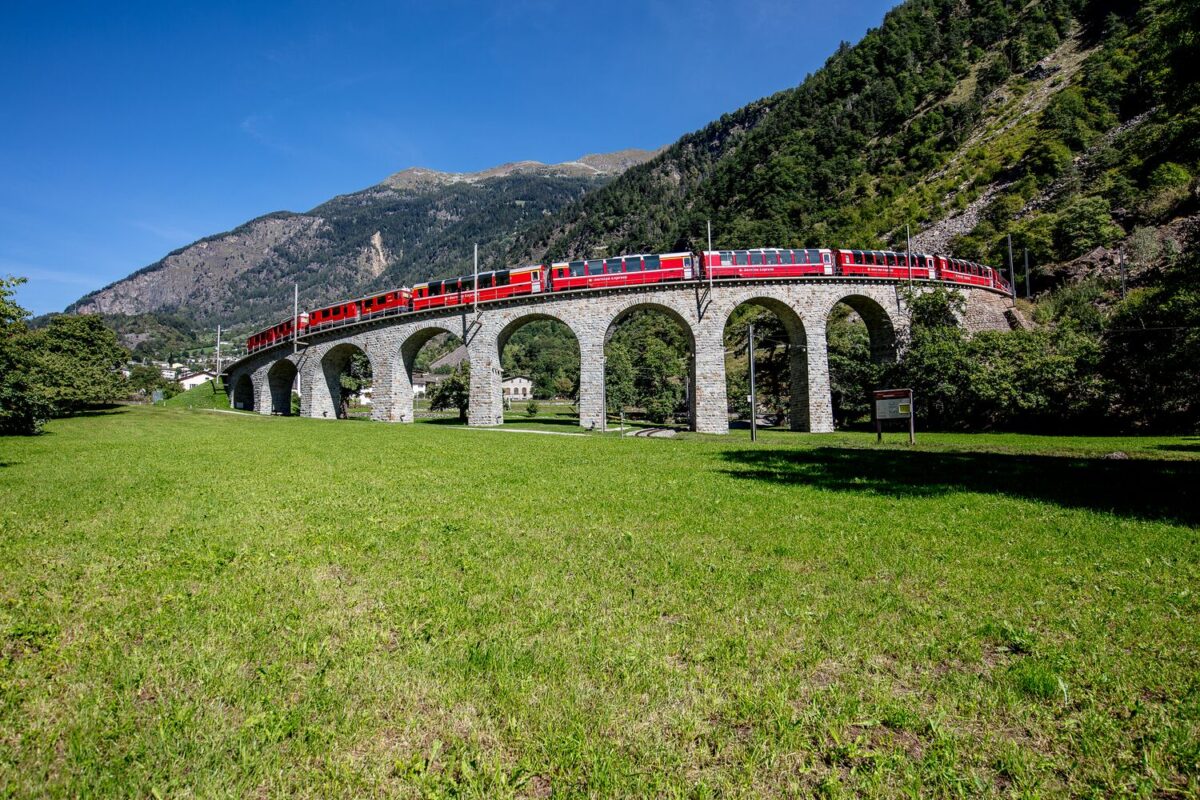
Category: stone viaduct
[263,381]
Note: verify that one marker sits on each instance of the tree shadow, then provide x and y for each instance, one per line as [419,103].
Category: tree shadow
[1144,489]
[98,411]
[1179,448]
[568,422]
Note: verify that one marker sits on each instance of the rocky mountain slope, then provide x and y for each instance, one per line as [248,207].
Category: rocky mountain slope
[414,225]
[1066,124]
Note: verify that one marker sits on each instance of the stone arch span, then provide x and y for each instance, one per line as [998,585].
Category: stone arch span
[797,340]
[325,389]
[402,393]
[243,392]
[281,377]
[684,320]
[881,326]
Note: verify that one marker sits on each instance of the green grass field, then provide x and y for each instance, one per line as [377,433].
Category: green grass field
[205,604]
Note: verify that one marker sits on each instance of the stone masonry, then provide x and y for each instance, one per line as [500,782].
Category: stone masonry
[264,380]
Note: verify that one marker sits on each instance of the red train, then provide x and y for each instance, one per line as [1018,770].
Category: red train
[771,263]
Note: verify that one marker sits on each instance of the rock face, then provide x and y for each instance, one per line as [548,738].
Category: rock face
[199,275]
[416,224]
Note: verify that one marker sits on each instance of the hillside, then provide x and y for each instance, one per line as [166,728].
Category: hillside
[1062,123]
[414,225]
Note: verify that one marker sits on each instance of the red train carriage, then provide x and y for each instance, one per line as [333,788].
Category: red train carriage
[959,270]
[629,270]
[275,334]
[339,314]
[766,262]
[396,301]
[885,264]
[495,285]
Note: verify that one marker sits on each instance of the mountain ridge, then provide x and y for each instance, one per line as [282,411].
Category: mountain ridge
[415,224]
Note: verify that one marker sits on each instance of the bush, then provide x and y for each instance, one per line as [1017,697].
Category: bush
[1085,223]
[532,408]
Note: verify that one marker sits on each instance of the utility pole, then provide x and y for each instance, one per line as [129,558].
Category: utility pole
[295,317]
[475,307]
[706,266]
[908,254]
[1028,290]
[753,395]
[1012,275]
[218,351]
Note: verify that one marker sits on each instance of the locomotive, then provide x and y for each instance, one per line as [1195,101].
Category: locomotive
[630,270]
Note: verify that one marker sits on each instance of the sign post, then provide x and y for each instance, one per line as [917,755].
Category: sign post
[893,404]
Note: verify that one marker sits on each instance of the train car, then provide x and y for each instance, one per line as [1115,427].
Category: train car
[958,270]
[627,270]
[275,334]
[885,264]
[766,262]
[494,285]
[396,301]
[339,314]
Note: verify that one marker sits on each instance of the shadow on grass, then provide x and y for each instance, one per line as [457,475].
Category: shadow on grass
[569,422]
[99,411]
[1179,448]
[1144,489]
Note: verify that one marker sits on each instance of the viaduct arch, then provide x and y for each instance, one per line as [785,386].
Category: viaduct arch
[263,381]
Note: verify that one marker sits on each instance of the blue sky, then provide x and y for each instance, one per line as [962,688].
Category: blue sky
[130,129]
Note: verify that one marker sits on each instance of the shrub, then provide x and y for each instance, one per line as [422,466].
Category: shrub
[532,408]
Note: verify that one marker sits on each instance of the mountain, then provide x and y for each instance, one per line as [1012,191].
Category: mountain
[1067,124]
[414,225]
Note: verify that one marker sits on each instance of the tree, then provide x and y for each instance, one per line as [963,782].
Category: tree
[76,361]
[453,392]
[1085,223]
[618,379]
[358,376]
[23,407]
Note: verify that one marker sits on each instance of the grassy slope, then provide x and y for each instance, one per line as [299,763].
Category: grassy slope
[222,604]
[206,395]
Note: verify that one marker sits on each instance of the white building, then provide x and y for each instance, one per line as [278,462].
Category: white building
[195,379]
[518,387]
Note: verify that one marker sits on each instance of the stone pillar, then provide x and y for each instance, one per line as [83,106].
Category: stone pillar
[711,413]
[487,406]
[798,391]
[820,401]
[262,391]
[591,384]
[386,371]
[315,398]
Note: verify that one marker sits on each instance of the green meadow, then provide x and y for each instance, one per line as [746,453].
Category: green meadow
[204,604]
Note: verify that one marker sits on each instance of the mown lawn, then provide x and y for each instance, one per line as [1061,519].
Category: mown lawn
[200,604]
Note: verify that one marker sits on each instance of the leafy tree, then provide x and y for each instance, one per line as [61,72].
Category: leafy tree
[1085,223]
[354,380]
[76,360]
[23,406]
[619,390]
[1151,352]
[454,392]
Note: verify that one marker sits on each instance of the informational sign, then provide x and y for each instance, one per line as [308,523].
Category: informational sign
[894,404]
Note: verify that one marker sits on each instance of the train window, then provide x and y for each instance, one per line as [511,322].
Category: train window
[726,258]
[503,278]
[741,258]
[756,259]
[595,267]
[633,265]
[653,262]
[612,266]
